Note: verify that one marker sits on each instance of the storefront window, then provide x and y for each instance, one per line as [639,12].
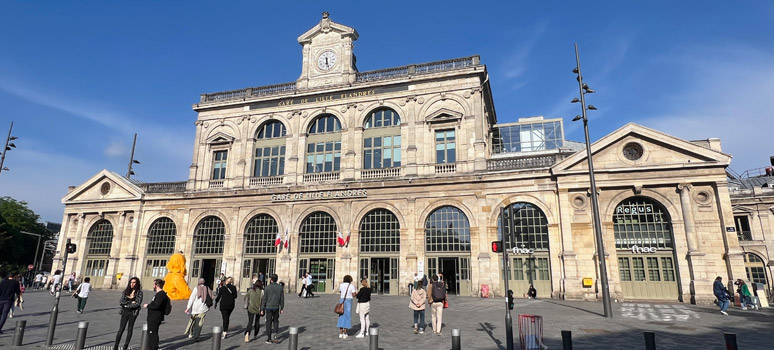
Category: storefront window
[531,227]
[642,222]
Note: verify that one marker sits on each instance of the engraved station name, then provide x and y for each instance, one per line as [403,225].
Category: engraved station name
[328,97]
[309,196]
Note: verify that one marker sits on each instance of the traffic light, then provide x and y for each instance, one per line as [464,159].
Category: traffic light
[70,248]
[497,246]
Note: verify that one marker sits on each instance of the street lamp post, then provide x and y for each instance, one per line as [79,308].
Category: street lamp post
[132,161]
[585,89]
[8,146]
[37,247]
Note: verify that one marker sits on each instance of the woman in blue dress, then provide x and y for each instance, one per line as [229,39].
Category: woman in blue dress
[347,291]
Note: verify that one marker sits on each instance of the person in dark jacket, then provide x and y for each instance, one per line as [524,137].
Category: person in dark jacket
[253,306]
[226,297]
[9,292]
[130,302]
[156,312]
[722,294]
[272,305]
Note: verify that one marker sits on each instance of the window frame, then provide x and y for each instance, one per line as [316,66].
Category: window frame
[276,147]
[215,175]
[445,142]
[319,141]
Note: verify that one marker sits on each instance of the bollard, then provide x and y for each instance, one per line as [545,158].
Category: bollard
[18,334]
[730,341]
[293,340]
[650,340]
[456,339]
[373,333]
[144,337]
[566,340]
[216,332]
[52,323]
[80,339]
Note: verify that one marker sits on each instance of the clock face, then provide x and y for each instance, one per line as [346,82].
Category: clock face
[326,60]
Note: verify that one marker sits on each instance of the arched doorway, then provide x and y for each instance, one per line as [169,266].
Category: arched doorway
[755,268]
[259,250]
[380,251]
[100,241]
[208,243]
[447,245]
[317,250]
[160,246]
[530,261]
[645,249]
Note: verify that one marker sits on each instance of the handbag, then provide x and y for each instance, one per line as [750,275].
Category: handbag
[339,309]
[445,304]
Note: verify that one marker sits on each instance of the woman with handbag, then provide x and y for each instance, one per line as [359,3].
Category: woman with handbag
[227,295]
[198,305]
[344,307]
[130,302]
[253,306]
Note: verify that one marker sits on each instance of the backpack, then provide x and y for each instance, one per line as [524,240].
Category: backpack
[424,281]
[168,308]
[439,291]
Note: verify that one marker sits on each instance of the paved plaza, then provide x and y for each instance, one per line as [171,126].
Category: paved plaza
[481,322]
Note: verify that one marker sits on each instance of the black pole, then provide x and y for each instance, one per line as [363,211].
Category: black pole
[566,340]
[80,340]
[373,341]
[18,334]
[650,340]
[456,339]
[131,158]
[506,245]
[144,337]
[730,341]
[216,332]
[293,339]
[5,149]
[55,310]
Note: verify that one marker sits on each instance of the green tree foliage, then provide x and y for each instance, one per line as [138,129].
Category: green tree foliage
[18,249]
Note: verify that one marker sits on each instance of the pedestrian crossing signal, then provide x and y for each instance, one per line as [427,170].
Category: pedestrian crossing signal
[497,247]
[70,248]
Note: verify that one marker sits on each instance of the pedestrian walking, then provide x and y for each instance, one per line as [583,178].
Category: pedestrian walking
[130,303]
[9,292]
[744,293]
[56,280]
[227,299]
[158,306]
[303,286]
[262,278]
[198,304]
[722,294]
[18,302]
[70,282]
[82,294]
[272,305]
[219,283]
[253,306]
[309,286]
[38,281]
[436,297]
[347,291]
[417,303]
[363,307]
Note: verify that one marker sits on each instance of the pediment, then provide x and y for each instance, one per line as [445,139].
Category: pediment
[105,186]
[219,138]
[443,115]
[659,151]
[326,26]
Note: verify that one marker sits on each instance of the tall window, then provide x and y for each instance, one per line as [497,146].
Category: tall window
[161,237]
[643,222]
[270,150]
[381,140]
[379,232]
[219,165]
[260,234]
[447,229]
[742,224]
[531,227]
[445,146]
[318,234]
[323,150]
[209,236]
[100,238]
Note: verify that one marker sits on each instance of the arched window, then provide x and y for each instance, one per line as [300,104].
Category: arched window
[379,232]
[531,227]
[161,237]
[209,236]
[269,157]
[318,234]
[755,268]
[323,145]
[100,238]
[260,234]
[381,140]
[447,229]
[642,222]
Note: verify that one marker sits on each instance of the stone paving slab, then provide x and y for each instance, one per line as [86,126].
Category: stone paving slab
[481,322]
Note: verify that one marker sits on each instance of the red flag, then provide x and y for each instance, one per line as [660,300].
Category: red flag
[340,239]
[347,240]
[287,238]
[278,240]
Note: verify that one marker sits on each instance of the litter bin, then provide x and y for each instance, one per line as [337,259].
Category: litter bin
[531,332]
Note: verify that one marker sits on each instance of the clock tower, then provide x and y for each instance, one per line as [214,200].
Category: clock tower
[328,57]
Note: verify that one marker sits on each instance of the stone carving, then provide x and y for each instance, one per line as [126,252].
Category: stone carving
[325,23]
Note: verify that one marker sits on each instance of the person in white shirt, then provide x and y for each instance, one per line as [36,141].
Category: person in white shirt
[38,281]
[56,281]
[345,320]
[83,293]
[308,283]
[197,308]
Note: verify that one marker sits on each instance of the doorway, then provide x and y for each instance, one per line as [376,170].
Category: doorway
[456,273]
[322,271]
[204,268]
[382,274]
[254,266]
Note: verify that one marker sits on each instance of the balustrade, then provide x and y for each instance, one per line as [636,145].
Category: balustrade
[321,177]
[445,168]
[216,183]
[263,181]
[380,173]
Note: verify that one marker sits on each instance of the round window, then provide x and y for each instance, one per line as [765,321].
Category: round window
[105,189]
[633,151]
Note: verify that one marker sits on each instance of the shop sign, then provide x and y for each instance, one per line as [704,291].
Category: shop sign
[643,250]
[307,196]
[522,250]
[636,209]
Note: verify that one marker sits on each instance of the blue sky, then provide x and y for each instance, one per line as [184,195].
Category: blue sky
[80,78]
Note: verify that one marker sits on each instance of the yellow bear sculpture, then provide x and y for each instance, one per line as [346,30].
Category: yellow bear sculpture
[174,281]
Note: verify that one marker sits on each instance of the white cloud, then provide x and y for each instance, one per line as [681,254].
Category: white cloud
[115,149]
[516,62]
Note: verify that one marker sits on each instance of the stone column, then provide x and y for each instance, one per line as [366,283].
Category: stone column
[697,290]
[688,222]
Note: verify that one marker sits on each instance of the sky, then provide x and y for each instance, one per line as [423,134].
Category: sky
[78,79]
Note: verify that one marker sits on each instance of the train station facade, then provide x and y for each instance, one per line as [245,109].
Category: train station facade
[409,168]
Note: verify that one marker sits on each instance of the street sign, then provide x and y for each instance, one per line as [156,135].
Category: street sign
[30,267]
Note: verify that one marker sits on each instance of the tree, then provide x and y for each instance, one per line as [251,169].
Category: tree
[16,248]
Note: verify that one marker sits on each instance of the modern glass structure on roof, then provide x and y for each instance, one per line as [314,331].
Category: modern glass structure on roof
[528,135]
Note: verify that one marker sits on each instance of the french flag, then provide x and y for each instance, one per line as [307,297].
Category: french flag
[340,239]
[346,241]
[287,238]
[278,240]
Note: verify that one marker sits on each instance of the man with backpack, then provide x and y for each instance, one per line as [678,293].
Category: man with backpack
[158,307]
[436,297]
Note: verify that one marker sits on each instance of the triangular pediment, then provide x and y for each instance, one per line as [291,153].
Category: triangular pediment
[105,186]
[634,146]
[443,115]
[326,26]
[220,137]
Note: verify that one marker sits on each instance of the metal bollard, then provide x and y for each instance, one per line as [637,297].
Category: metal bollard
[373,333]
[456,339]
[216,332]
[566,340]
[293,340]
[730,341]
[650,340]
[52,323]
[18,334]
[144,337]
[80,339]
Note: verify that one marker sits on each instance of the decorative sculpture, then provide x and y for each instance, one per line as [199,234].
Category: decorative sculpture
[175,285]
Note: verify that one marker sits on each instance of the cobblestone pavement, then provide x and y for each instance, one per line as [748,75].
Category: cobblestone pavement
[481,322]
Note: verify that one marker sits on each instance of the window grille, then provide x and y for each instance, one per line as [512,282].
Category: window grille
[209,236]
[318,234]
[260,234]
[379,232]
[642,222]
[100,238]
[447,229]
[531,227]
[161,237]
